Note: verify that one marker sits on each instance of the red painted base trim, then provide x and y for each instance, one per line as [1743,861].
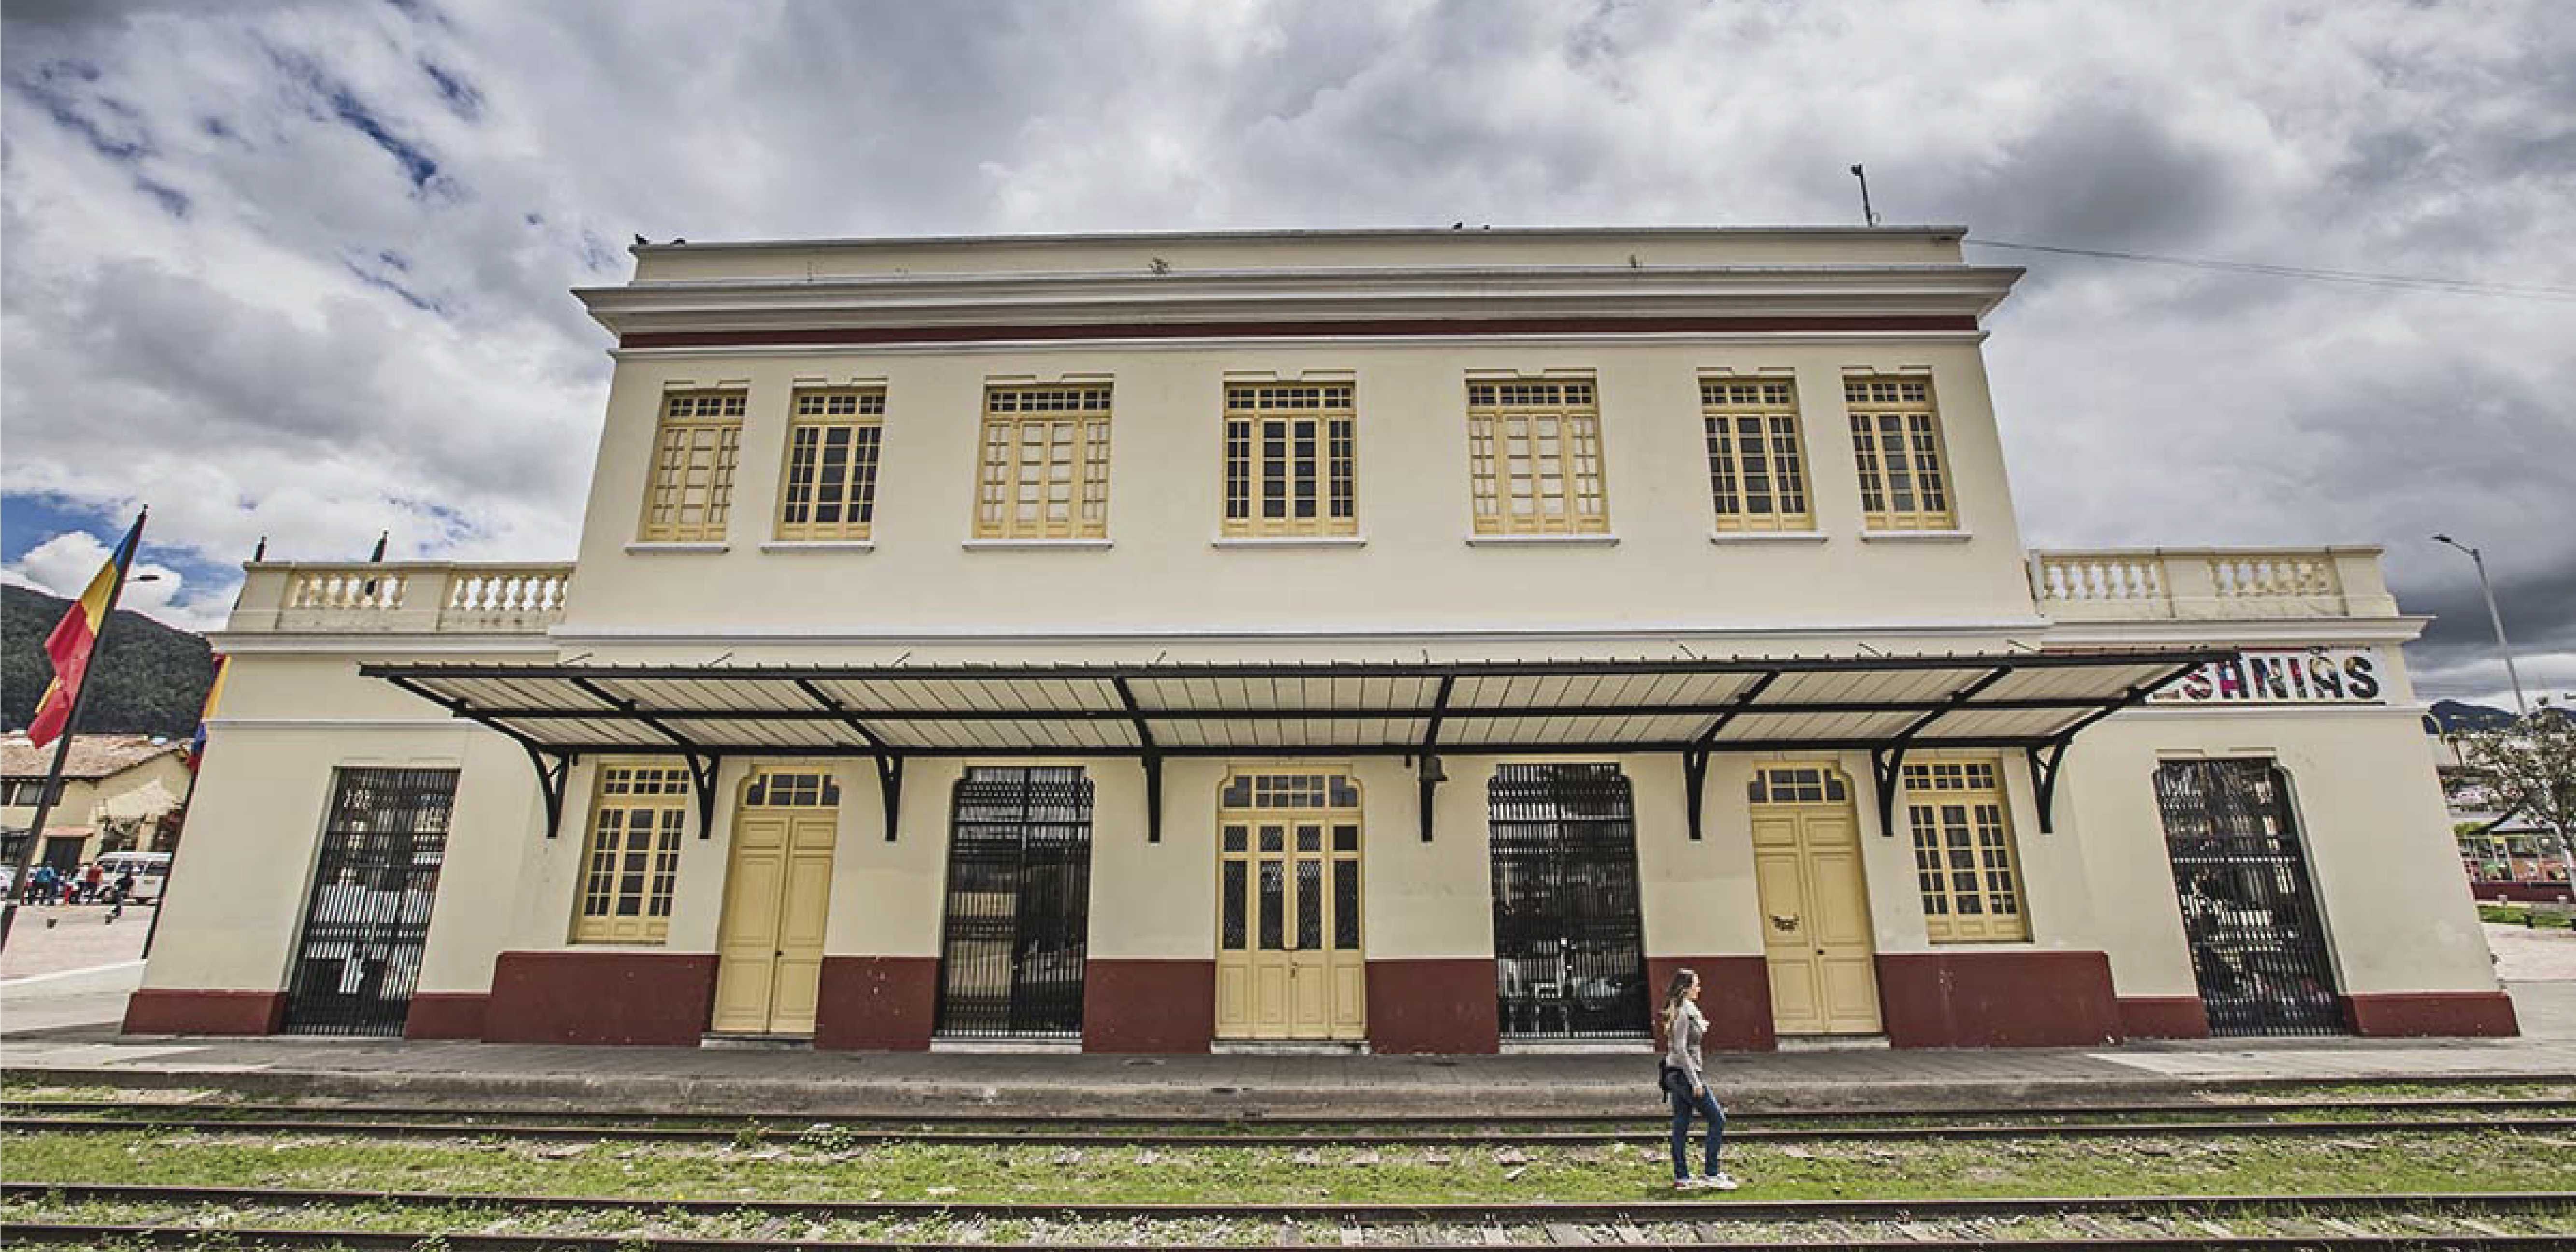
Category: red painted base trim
[156,1012]
[2527,892]
[876,1003]
[601,997]
[2032,999]
[2486,1014]
[2163,1017]
[1442,1006]
[1370,327]
[1734,994]
[446,1015]
[1148,1006]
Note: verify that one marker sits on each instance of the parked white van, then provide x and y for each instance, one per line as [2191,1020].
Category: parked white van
[150,870]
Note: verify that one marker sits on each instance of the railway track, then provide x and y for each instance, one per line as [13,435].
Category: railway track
[360,1240]
[2518,1105]
[1041,1135]
[2434,1220]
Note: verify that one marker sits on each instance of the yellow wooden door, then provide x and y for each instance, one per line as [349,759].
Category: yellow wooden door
[1816,934]
[769,946]
[1290,964]
[747,943]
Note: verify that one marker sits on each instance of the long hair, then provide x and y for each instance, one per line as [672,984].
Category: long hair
[1675,993]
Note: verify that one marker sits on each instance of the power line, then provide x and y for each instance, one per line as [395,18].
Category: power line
[2462,286]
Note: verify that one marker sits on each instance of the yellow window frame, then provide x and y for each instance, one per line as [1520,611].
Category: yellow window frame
[1534,461]
[631,861]
[1763,486]
[1043,472]
[1966,865]
[821,478]
[1272,464]
[1905,477]
[688,496]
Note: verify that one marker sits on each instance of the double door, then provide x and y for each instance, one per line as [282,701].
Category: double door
[778,895]
[1815,903]
[2249,911]
[366,923]
[1289,957]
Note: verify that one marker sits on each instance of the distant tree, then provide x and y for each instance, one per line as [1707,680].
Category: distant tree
[2529,768]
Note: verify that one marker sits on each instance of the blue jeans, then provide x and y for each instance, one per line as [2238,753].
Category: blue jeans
[1704,1104]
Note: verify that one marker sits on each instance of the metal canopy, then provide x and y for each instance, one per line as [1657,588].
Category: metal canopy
[1886,705]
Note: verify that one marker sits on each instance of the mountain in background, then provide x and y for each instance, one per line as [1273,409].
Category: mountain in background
[2453,716]
[153,680]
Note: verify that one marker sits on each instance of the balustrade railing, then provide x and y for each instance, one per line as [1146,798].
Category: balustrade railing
[410,597]
[2200,583]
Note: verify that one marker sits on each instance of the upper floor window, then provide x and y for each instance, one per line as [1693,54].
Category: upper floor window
[831,486]
[1963,852]
[1045,472]
[1291,459]
[1896,438]
[1534,457]
[694,450]
[632,866]
[1757,466]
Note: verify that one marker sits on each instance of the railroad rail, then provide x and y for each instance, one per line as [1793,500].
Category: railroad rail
[1362,1213]
[1648,1108]
[1565,1222]
[362,1240]
[1041,1136]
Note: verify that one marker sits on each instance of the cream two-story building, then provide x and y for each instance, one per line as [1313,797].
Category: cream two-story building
[1425,641]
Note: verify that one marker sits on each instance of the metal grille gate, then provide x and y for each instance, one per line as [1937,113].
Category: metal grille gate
[1019,905]
[367,922]
[1569,944]
[2249,910]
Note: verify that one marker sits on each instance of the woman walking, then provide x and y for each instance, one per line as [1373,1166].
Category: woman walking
[1683,1082]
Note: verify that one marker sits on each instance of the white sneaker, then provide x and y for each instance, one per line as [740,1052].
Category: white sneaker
[1720,1181]
[1685,1184]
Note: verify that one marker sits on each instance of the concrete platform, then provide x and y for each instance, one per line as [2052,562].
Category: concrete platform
[895,1084]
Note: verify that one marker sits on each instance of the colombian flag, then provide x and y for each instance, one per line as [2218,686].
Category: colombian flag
[214,692]
[75,639]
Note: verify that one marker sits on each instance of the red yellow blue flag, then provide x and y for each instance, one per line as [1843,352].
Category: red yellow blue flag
[75,640]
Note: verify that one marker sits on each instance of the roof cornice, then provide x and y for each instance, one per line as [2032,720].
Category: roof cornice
[1275,295]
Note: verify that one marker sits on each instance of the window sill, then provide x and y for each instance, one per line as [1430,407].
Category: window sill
[1036,545]
[1766,536]
[1526,541]
[819,545]
[1916,536]
[1289,541]
[642,546]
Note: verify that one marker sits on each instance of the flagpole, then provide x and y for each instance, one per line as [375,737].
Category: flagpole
[196,771]
[63,746]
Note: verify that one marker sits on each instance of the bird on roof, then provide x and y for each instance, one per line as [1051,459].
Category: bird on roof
[640,240]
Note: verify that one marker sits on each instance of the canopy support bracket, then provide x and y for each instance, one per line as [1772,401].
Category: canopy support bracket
[2045,761]
[1150,757]
[1428,775]
[1695,757]
[1694,782]
[890,788]
[703,764]
[550,780]
[889,763]
[1885,766]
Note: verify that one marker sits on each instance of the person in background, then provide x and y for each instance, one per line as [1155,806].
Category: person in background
[92,881]
[1687,1086]
[40,885]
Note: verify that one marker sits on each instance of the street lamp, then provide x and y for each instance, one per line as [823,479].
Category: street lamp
[2520,710]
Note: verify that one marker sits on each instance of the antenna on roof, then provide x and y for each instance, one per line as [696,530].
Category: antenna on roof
[1868,215]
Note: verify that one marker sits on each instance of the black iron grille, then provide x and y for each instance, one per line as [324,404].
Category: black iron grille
[367,922]
[2249,910]
[1569,945]
[1019,905]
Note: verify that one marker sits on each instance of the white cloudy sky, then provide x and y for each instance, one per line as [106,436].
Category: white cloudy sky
[299,270]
